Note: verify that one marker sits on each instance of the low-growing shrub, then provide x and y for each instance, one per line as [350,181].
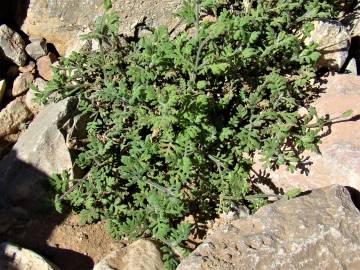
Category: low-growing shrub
[177,120]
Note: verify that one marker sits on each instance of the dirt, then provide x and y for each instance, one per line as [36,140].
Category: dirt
[62,240]
[71,246]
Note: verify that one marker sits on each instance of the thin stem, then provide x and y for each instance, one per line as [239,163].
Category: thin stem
[78,182]
[102,47]
[161,188]
[201,46]
[197,15]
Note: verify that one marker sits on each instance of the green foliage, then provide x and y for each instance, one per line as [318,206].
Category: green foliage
[176,121]
[292,193]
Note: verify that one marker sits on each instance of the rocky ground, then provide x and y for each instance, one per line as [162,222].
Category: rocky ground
[34,142]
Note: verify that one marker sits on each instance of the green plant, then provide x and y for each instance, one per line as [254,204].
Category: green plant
[176,121]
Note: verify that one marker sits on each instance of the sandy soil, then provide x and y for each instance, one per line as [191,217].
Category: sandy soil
[62,240]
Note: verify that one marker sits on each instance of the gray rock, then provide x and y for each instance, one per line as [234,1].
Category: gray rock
[12,116]
[39,152]
[2,89]
[22,84]
[320,230]
[40,84]
[334,43]
[37,48]
[12,45]
[140,255]
[59,22]
[82,45]
[15,257]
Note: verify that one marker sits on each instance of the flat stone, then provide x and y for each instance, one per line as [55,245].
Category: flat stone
[44,66]
[320,230]
[140,255]
[12,45]
[37,48]
[339,162]
[15,257]
[22,84]
[334,43]
[12,116]
[40,151]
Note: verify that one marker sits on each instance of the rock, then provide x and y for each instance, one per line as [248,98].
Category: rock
[12,116]
[44,66]
[334,43]
[339,162]
[22,84]
[320,230]
[140,255]
[80,45]
[31,103]
[16,257]
[30,68]
[351,67]
[2,89]
[37,48]
[30,95]
[39,152]
[12,45]
[40,84]
[60,21]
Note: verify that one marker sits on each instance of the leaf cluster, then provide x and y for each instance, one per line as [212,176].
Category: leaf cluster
[176,121]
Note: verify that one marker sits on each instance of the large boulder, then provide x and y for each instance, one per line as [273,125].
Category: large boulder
[40,151]
[339,161]
[60,21]
[140,255]
[320,230]
[15,257]
[12,46]
[334,43]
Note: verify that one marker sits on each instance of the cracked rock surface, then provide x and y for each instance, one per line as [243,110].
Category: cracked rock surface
[320,230]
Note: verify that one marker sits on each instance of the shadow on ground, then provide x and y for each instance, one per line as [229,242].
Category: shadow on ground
[29,223]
